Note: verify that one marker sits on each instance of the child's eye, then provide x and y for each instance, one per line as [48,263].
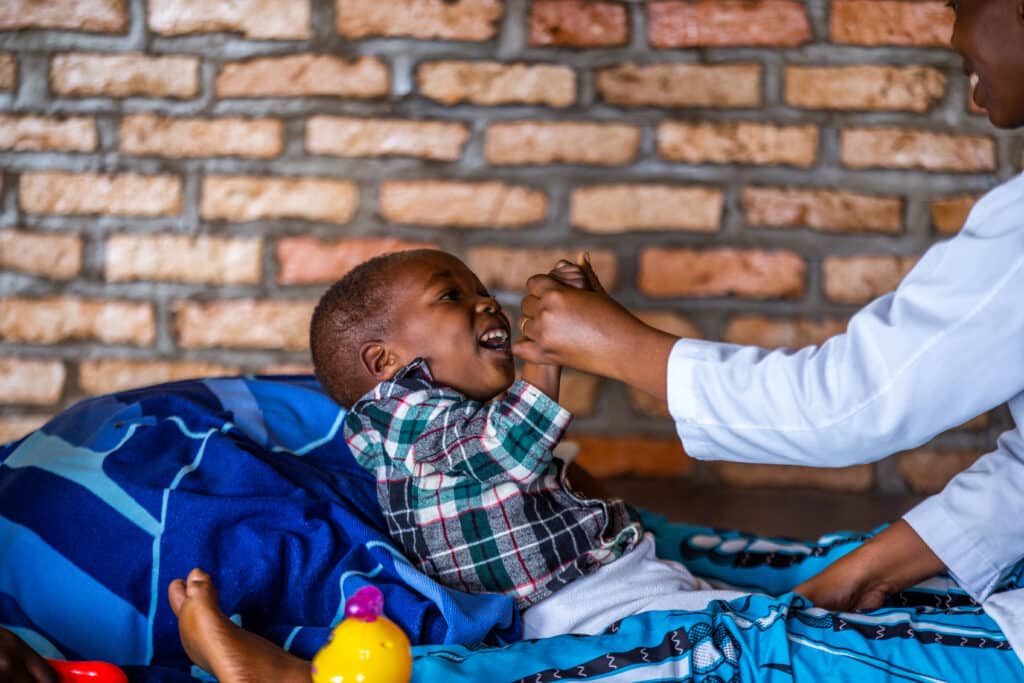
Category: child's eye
[953,5]
[450,295]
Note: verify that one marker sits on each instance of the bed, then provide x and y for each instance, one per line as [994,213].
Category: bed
[250,479]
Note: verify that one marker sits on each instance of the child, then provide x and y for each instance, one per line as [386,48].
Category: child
[462,452]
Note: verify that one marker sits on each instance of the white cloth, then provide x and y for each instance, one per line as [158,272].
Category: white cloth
[946,346]
[636,582]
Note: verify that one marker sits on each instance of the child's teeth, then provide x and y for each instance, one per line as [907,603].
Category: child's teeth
[974,80]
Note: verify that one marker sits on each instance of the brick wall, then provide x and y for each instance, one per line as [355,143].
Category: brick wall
[181,178]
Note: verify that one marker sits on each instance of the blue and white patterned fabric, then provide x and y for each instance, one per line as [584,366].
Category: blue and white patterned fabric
[932,632]
[249,479]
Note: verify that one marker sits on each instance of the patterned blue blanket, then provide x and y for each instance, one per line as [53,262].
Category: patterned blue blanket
[248,478]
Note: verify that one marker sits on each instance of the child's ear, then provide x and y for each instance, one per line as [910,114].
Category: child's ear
[379,360]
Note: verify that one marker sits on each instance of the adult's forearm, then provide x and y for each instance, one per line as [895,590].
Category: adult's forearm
[887,563]
[637,355]
[897,558]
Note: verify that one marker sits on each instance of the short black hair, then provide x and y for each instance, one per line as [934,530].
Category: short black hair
[354,310]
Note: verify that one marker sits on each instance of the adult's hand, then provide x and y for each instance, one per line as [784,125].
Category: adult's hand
[21,664]
[893,560]
[590,331]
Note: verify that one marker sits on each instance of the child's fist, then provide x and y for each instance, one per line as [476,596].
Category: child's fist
[570,274]
[580,275]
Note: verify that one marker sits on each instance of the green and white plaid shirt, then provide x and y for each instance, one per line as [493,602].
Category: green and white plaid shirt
[472,493]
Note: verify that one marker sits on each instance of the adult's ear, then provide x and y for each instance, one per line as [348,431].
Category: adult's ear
[379,360]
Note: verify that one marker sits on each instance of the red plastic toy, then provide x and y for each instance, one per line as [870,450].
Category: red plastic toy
[87,672]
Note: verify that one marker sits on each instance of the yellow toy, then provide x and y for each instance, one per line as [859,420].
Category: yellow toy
[366,647]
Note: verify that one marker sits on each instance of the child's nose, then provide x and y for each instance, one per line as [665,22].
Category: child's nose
[488,304]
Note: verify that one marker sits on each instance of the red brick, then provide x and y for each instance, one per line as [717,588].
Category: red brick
[469,20]
[124,194]
[109,16]
[510,267]
[750,273]
[304,75]
[228,136]
[79,74]
[13,427]
[859,279]
[59,319]
[865,87]
[307,260]
[616,456]
[183,258]
[461,204]
[891,22]
[58,257]
[719,23]
[249,198]
[350,137]
[8,71]
[494,83]
[623,208]
[738,143]
[38,133]
[898,148]
[110,375]
[856,479]
[950,214]
[676,325]
[773,333]
[928,470]
[568,142]
[831,211]
[35,382]
[244,324]
[681,85]
[275,19]
[578,23]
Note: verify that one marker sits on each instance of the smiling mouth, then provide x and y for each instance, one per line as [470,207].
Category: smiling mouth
[495,339]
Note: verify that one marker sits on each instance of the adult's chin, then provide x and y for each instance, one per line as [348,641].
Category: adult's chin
[1007,120]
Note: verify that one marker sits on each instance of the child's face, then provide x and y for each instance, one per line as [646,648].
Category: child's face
[989,35]
[443,314]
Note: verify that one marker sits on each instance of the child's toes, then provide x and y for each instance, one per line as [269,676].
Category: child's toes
[176,595]
[199,587]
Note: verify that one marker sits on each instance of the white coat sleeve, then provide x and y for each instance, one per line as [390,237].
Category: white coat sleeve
[945,347]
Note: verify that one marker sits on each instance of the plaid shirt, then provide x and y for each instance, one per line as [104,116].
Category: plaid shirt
[472,492]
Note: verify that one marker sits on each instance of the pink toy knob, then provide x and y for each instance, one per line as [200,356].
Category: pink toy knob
[366,605]
[87,672]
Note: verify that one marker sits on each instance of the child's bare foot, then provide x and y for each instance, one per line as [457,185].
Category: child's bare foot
[220,647]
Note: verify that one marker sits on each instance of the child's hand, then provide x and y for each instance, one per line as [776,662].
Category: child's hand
[579,275]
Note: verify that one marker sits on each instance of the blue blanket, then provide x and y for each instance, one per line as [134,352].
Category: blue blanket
[248,478]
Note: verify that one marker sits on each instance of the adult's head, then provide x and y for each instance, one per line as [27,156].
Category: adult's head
[395,308]
[989,35]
